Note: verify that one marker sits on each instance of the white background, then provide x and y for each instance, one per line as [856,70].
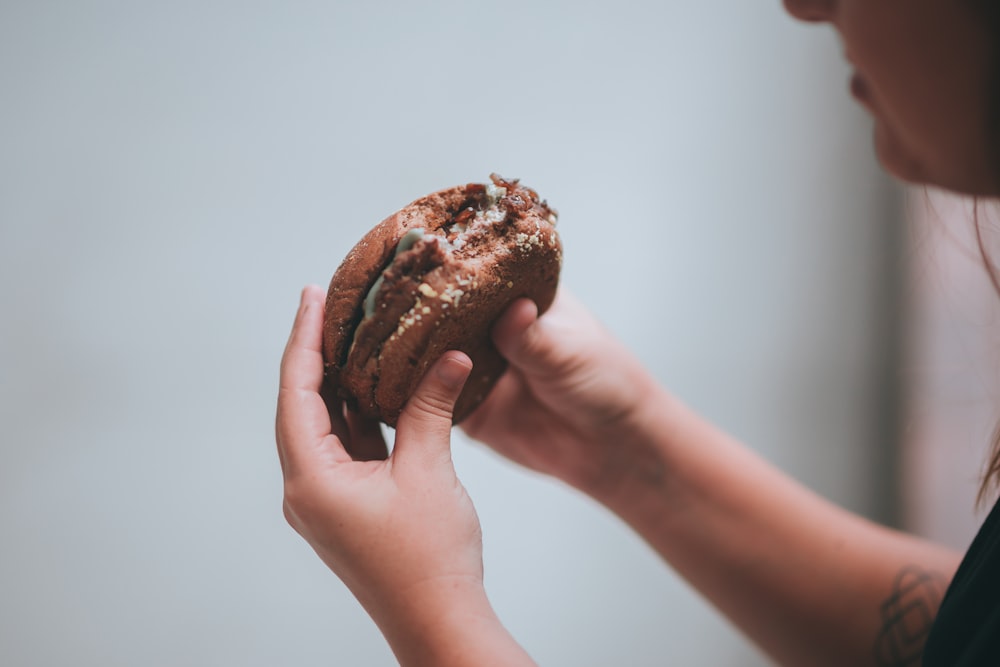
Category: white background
[172,173]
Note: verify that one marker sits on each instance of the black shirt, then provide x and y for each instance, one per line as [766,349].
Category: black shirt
[966,632]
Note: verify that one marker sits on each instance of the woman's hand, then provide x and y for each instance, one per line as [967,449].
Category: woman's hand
[571,402]
[399,530]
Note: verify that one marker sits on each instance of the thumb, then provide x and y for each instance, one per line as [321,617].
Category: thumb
[534,346]
[515,333]
[424,427]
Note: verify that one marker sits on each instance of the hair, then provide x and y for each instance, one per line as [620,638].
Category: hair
[988,11]
[991,474]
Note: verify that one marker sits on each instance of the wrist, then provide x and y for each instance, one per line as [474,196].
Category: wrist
[448,623]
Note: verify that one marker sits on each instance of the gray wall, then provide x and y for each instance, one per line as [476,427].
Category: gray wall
[172,173]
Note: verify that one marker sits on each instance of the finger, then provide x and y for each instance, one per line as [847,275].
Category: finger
[335,410]
[521,338]
[515,321]
[424,427]
[541,347]
[366,442]
[303,427]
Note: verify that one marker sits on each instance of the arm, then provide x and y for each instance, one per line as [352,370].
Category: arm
[398,529]
[809,583]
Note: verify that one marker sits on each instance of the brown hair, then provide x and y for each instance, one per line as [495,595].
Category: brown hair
[988,12]
[991,475]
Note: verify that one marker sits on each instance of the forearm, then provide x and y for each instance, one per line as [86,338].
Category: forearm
[807,581]
[447,624]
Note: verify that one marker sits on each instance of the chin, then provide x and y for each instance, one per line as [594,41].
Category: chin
[898,162]
[967,177]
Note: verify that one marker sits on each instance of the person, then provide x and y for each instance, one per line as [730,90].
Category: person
[810,583]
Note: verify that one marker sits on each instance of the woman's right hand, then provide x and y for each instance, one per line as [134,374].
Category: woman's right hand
[570,403]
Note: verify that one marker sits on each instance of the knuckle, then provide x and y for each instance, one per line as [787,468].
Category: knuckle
[296,503]
[290,516]
[535,344]
[434,404]
[543,349]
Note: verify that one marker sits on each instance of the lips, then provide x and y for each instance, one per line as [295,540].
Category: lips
[860,90]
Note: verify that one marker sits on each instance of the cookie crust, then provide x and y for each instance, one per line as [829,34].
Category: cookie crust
[482,247]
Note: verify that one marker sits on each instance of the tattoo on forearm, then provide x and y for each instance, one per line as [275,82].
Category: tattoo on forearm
[907,616]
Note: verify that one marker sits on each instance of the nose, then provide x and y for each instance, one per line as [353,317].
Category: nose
[811,10]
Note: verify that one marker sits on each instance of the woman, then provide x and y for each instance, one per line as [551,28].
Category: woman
[810,583]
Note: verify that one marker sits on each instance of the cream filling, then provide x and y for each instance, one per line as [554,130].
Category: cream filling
[491,215]
[409,239]
[494,193]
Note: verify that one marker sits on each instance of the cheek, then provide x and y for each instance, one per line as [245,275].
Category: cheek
[928,90]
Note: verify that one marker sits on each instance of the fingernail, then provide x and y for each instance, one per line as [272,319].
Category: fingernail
[303,309]
[310,296]
[452,371]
